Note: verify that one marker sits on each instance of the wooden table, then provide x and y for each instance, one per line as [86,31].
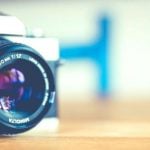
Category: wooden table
[91,125]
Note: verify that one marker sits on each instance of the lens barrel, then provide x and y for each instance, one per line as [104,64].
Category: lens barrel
[27,87]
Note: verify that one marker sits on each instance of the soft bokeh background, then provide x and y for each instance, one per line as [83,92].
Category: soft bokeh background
[78,23]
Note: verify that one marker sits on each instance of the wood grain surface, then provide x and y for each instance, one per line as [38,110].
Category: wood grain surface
[91,125]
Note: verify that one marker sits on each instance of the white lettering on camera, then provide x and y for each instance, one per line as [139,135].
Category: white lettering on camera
[45,99]
[9,58]
[33,60]
[6,59]
[19,121]
[16,56]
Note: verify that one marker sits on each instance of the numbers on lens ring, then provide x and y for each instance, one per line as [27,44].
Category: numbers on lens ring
[16,56]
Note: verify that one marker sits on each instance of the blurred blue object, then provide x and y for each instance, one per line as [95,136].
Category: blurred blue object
[97,51]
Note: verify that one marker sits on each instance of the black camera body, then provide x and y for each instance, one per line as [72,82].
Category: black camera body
[27,77]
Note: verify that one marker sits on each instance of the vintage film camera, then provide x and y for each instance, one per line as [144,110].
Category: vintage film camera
[27,78]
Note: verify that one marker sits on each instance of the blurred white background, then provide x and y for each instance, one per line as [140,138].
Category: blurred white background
[76,22]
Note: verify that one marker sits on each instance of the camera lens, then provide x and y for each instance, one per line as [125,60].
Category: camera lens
[26,88]
[22,89]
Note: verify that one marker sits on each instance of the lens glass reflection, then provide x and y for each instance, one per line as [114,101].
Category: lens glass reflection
[11,88]
[21,89]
